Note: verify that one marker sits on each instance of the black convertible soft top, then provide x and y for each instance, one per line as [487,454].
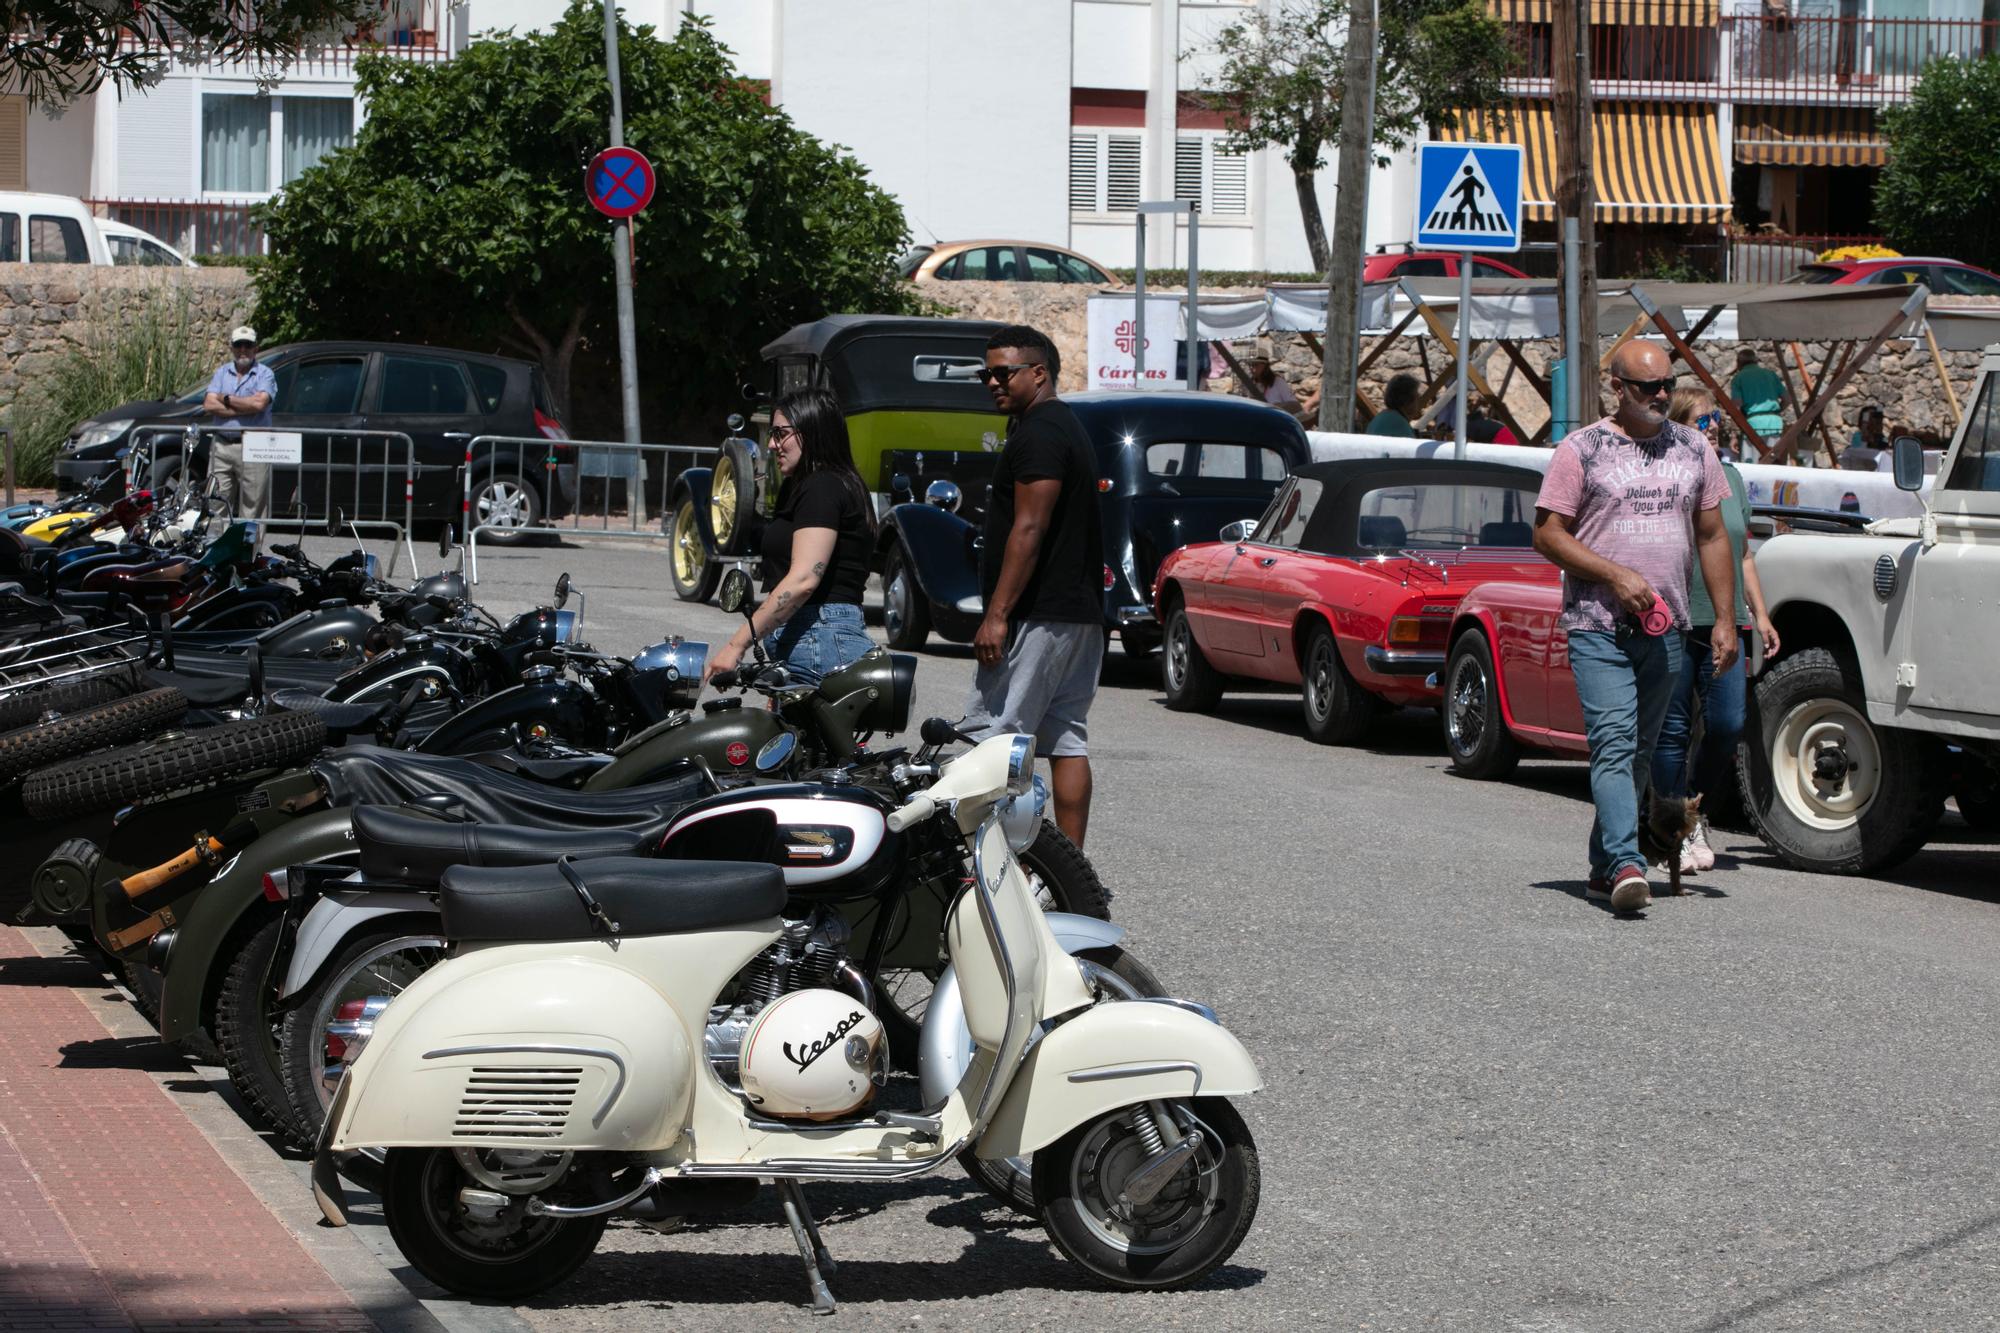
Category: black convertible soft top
[869,361]
[1335,525]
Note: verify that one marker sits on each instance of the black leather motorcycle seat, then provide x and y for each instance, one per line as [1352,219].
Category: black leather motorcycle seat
[468,789]
[417,849]
[643,897]
[339,717]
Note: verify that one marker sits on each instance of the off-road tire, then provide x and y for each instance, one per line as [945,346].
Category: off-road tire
[732,501]
[1192,685]
[1475,731]
[1908,787]
[28,706]
[87,729]
[196,759]
[243,1030]
[414,1205]
[906,612]
[1337,711]
[694,575]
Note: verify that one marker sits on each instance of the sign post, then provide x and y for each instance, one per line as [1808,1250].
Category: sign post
[1468,200]
[617,194]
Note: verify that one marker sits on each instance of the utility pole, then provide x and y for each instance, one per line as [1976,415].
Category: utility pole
[621,241]
[1576,195]
[1341,350]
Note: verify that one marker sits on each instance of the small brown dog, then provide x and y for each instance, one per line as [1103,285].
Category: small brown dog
[1668,824]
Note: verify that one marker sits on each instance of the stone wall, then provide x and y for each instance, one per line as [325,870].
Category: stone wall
[47,310]
[1901,377]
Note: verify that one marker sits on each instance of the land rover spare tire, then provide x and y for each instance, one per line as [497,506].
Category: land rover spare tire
[180,763]
[1827,789]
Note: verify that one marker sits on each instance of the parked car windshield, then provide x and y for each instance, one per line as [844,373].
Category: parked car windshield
[1446,516]
[1977,467]
[1215,467]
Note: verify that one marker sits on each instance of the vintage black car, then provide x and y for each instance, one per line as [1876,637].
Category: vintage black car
[1173,468]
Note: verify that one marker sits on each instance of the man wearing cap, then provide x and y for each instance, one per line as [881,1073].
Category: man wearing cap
[240,395]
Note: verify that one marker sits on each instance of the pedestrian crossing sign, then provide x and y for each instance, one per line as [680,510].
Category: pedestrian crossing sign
[1469,196]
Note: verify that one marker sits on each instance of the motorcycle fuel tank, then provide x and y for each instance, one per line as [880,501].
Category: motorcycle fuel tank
[731,738]
[831,842]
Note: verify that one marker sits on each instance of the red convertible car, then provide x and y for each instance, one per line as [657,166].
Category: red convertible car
[1507,684]
[1347,586]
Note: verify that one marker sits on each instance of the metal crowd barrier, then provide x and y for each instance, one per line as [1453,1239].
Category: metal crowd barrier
[646,473]
[369,476]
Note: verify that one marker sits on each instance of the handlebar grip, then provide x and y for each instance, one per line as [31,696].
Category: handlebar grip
[916,811]
[937,731]
[724,680]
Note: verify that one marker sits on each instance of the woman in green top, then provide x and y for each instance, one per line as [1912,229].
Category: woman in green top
[1762,395]
[1723,699]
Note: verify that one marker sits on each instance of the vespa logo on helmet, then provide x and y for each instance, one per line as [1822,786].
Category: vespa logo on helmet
[805,1055]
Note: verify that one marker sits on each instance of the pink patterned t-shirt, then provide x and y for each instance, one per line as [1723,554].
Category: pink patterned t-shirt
[1634,502]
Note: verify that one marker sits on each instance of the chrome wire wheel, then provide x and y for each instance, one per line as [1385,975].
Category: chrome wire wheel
[1825,763]
[1465,705]
[688,555]
[382,973]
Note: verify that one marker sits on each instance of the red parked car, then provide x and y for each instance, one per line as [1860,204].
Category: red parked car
[1945,277]
[1507,683]
[1387,264]
[1346,587]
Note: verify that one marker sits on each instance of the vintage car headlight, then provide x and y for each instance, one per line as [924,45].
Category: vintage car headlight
[944,494]
[1021,816]
[1020,764]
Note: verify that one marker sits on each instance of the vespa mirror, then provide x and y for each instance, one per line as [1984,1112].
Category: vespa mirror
[1239,531]
[1908,456]
[445,541]
[735,592]
[562,590]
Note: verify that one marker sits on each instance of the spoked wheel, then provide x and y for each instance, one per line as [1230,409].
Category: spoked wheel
[1115,975]
[467,1245]
[693,573]
[1475,734]
[733,496]
[1182,1234]
[341,1005]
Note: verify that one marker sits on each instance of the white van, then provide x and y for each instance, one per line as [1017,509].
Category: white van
[57,229]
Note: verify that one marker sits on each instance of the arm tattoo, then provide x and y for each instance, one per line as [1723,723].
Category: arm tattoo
[819,569]
[784,599]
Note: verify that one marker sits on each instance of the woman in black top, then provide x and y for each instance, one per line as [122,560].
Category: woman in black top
[815,548]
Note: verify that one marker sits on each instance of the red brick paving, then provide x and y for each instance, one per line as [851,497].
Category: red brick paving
[115,1211]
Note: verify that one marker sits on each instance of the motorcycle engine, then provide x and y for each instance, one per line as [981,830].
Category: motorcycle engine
[811,954]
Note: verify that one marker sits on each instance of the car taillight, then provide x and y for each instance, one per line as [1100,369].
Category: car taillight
[1425,631]
[549,426]
[1104,485]
[1110,579]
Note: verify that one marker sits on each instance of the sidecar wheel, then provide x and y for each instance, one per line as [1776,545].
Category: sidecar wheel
[1184,1234]
[506,1258]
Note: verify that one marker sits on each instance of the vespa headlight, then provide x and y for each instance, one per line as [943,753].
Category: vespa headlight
[1021,816]
[1020,765]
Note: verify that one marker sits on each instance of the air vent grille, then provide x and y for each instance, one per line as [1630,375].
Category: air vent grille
[516,1103]
[1885,577]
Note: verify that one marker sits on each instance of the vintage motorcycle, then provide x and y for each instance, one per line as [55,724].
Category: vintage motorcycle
[563,1065]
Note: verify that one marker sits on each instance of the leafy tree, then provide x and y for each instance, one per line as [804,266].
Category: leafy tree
[1279,75]
[56,52]
[458,215]
[1940,193]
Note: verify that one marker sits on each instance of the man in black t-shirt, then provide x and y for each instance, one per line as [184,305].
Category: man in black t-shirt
[1041,644]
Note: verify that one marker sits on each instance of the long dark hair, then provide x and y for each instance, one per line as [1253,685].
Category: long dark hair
[815,414]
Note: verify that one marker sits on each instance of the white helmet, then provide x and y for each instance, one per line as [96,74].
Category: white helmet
[813,1055]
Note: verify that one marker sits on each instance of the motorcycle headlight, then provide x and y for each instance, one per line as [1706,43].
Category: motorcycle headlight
[1020,764]
[91,436]
[1021,816]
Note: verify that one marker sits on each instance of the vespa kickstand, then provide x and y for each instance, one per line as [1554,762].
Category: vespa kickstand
[812,1250]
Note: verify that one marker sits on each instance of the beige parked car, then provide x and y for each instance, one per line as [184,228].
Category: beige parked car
[1001,261]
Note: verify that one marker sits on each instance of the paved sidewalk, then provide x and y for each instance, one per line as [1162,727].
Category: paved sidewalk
[116,1212]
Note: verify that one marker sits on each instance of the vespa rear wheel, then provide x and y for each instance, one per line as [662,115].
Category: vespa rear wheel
[1180,1236]
[503,1254]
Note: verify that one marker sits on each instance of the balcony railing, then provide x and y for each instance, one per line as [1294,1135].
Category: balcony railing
[192,226]
[411,29]
[1813,57]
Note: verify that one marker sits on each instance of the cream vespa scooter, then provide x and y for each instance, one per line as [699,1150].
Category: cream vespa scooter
[557,1069]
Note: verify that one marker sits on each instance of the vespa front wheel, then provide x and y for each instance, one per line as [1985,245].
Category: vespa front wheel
[477,1249]
[1184,1232]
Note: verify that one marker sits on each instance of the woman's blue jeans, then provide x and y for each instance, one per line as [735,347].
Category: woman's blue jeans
[1624,680]
[819,639]
[1724,704]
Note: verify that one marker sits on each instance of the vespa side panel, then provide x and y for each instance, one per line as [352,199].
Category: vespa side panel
[843,845]
[729,739]
[1114,1055]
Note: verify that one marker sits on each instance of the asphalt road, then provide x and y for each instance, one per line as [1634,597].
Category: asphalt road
[1489,1104]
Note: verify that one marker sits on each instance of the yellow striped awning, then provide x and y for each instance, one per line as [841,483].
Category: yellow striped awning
[1653,161]
[1635,13]
[1809,136]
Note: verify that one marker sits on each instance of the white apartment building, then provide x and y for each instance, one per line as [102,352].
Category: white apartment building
[1034,119]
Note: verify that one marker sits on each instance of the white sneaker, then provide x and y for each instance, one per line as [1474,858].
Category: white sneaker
[1691,855]
[1697,843]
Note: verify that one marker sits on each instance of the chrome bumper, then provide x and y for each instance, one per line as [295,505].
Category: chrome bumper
[1410,662]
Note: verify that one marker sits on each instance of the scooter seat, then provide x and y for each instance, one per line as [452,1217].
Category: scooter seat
[468,789]
[643,897]
[340,718]
[418,849]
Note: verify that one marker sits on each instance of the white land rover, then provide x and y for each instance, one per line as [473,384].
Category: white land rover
[1885,700]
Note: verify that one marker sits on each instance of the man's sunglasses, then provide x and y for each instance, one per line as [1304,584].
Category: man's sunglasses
[1647,388]
[1005,374]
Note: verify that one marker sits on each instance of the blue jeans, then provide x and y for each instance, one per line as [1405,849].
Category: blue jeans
[819,639]
[1724,703]
[1624,681]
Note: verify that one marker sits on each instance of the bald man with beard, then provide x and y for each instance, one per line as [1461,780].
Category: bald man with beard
[1626,507]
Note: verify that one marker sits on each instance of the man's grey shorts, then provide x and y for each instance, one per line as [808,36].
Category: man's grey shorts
[1043,686]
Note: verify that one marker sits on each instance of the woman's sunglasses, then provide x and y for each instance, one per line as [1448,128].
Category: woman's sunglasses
[1708,420]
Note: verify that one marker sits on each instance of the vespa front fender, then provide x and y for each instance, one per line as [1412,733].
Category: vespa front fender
[1110,1056]
[196,962]
[336,918]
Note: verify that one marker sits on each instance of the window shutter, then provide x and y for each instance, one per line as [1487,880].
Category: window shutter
[1229,184]
[1187,169]
[13,143]
[1121,187]
[1083,174]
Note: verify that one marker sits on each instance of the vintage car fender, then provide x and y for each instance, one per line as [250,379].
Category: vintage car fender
[1475,613]
[1820,590]
[697,484]
[937,546]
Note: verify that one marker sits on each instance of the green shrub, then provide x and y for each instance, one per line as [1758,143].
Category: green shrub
[154,352]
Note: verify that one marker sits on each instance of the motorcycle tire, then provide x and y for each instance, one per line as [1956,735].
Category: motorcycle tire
[91,728]
[195,759]
[28,706]
[1077,1203]
[420,1188]
[302,1031]
[1011,1180]
[243,1028]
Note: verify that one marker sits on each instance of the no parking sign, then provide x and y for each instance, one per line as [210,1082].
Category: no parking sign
[619,182]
